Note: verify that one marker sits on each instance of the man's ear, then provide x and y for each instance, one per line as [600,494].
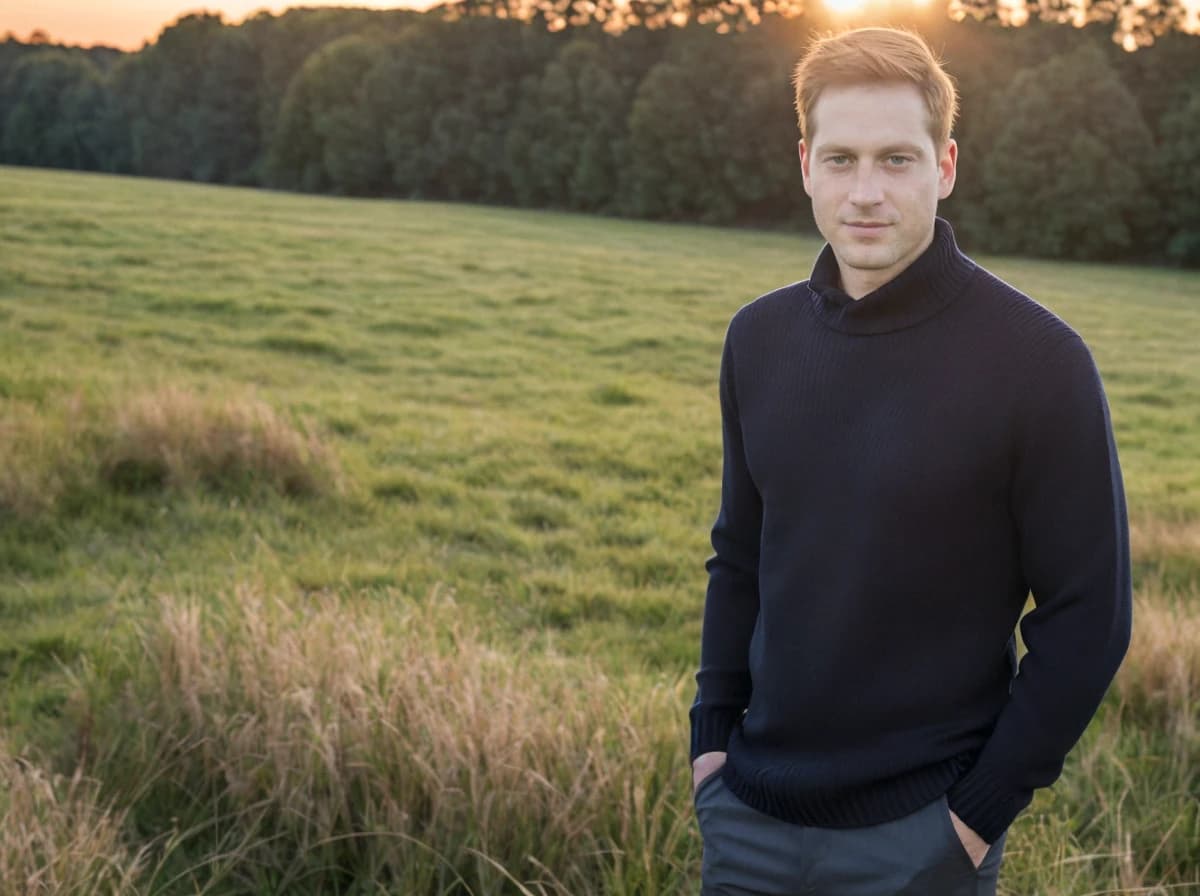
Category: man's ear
[805,163]
[947,168]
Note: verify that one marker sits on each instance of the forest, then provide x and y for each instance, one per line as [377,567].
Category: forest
[1070,146]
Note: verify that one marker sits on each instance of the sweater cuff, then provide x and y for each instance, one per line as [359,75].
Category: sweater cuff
[711,729]
[985,803]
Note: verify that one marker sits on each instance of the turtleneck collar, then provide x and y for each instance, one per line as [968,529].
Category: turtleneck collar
[918,292]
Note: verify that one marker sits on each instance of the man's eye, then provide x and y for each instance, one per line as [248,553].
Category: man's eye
[838,161]
[898,160]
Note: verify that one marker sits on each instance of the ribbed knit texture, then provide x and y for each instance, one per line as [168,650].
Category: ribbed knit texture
[900,472]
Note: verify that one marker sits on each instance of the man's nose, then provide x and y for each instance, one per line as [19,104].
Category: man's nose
[866,189]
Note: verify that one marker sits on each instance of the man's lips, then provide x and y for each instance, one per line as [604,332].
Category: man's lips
[866,229]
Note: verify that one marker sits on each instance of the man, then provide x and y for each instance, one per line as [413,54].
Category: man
[911,447]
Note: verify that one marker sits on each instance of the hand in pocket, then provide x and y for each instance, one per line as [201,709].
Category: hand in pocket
[706,764]
[975,846]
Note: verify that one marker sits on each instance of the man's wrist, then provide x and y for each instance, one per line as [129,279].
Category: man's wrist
[985,803]
[711,728]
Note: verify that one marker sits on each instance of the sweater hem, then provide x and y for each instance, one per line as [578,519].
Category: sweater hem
[788,797]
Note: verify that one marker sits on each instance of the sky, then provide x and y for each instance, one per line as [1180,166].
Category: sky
[129,23]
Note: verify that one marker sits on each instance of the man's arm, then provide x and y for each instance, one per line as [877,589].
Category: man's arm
[731,603]
[1067,501]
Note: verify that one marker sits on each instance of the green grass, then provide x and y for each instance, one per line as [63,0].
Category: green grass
[523,405]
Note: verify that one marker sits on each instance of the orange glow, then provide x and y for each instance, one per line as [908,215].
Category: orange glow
[1191,16]
[128,23]
[853,8]
[1012,12]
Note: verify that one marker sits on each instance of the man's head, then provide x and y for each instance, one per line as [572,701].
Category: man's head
[875,111]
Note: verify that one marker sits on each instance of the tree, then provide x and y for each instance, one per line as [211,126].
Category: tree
[566,139]
[604,100]
[191,102]
[485,64]
[669,166]
[1176,165]
[283,42]
[56,107]
[446,96]
[327,137]
[407,87]
[1068,174]
[1157,77]
[754,130]
[710,147]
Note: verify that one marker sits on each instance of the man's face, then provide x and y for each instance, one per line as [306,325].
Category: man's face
[875,178]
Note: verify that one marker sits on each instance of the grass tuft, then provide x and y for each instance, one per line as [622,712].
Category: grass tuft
[178,438]
[1160,678]
[171,438]
[56,837]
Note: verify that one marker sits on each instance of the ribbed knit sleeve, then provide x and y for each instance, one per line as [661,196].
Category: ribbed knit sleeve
[731,602]
[1067,502]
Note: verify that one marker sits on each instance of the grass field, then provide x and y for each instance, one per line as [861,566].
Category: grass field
[357,547]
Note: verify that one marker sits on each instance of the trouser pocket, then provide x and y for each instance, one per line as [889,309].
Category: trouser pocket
[955,843]
[704,784]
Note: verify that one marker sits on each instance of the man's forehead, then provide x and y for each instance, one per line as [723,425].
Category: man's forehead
[886,92]
[871,116]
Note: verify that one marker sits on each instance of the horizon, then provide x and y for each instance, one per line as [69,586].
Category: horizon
[130,24]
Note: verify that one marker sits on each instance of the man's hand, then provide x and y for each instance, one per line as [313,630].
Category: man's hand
[975,845]
[705,765]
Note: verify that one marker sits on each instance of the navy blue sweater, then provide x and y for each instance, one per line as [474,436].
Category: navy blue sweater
[900,472]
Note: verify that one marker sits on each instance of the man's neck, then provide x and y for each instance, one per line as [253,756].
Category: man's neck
[858,282]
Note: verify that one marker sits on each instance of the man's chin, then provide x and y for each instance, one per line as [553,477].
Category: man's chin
[866,261]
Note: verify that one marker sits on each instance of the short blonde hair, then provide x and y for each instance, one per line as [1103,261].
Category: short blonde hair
[875,56]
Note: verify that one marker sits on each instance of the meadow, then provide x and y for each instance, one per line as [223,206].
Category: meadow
[356,547]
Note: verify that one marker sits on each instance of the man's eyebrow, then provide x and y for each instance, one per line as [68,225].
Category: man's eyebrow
[910,148]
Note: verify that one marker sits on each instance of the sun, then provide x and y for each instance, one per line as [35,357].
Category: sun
[850,7]
[845,6]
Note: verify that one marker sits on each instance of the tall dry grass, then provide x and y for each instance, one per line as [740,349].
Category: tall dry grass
[171,437]
[394,745]
[1165,550]
[1159,680]
[1125,816]
[1155,537]
[352,745]
[57,838]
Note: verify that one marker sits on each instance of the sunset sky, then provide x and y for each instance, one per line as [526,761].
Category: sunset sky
[127,23]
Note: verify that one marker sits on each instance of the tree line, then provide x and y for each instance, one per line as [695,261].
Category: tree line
[1069,146]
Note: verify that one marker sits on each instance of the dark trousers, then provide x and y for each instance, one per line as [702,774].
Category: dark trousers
[747,853]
